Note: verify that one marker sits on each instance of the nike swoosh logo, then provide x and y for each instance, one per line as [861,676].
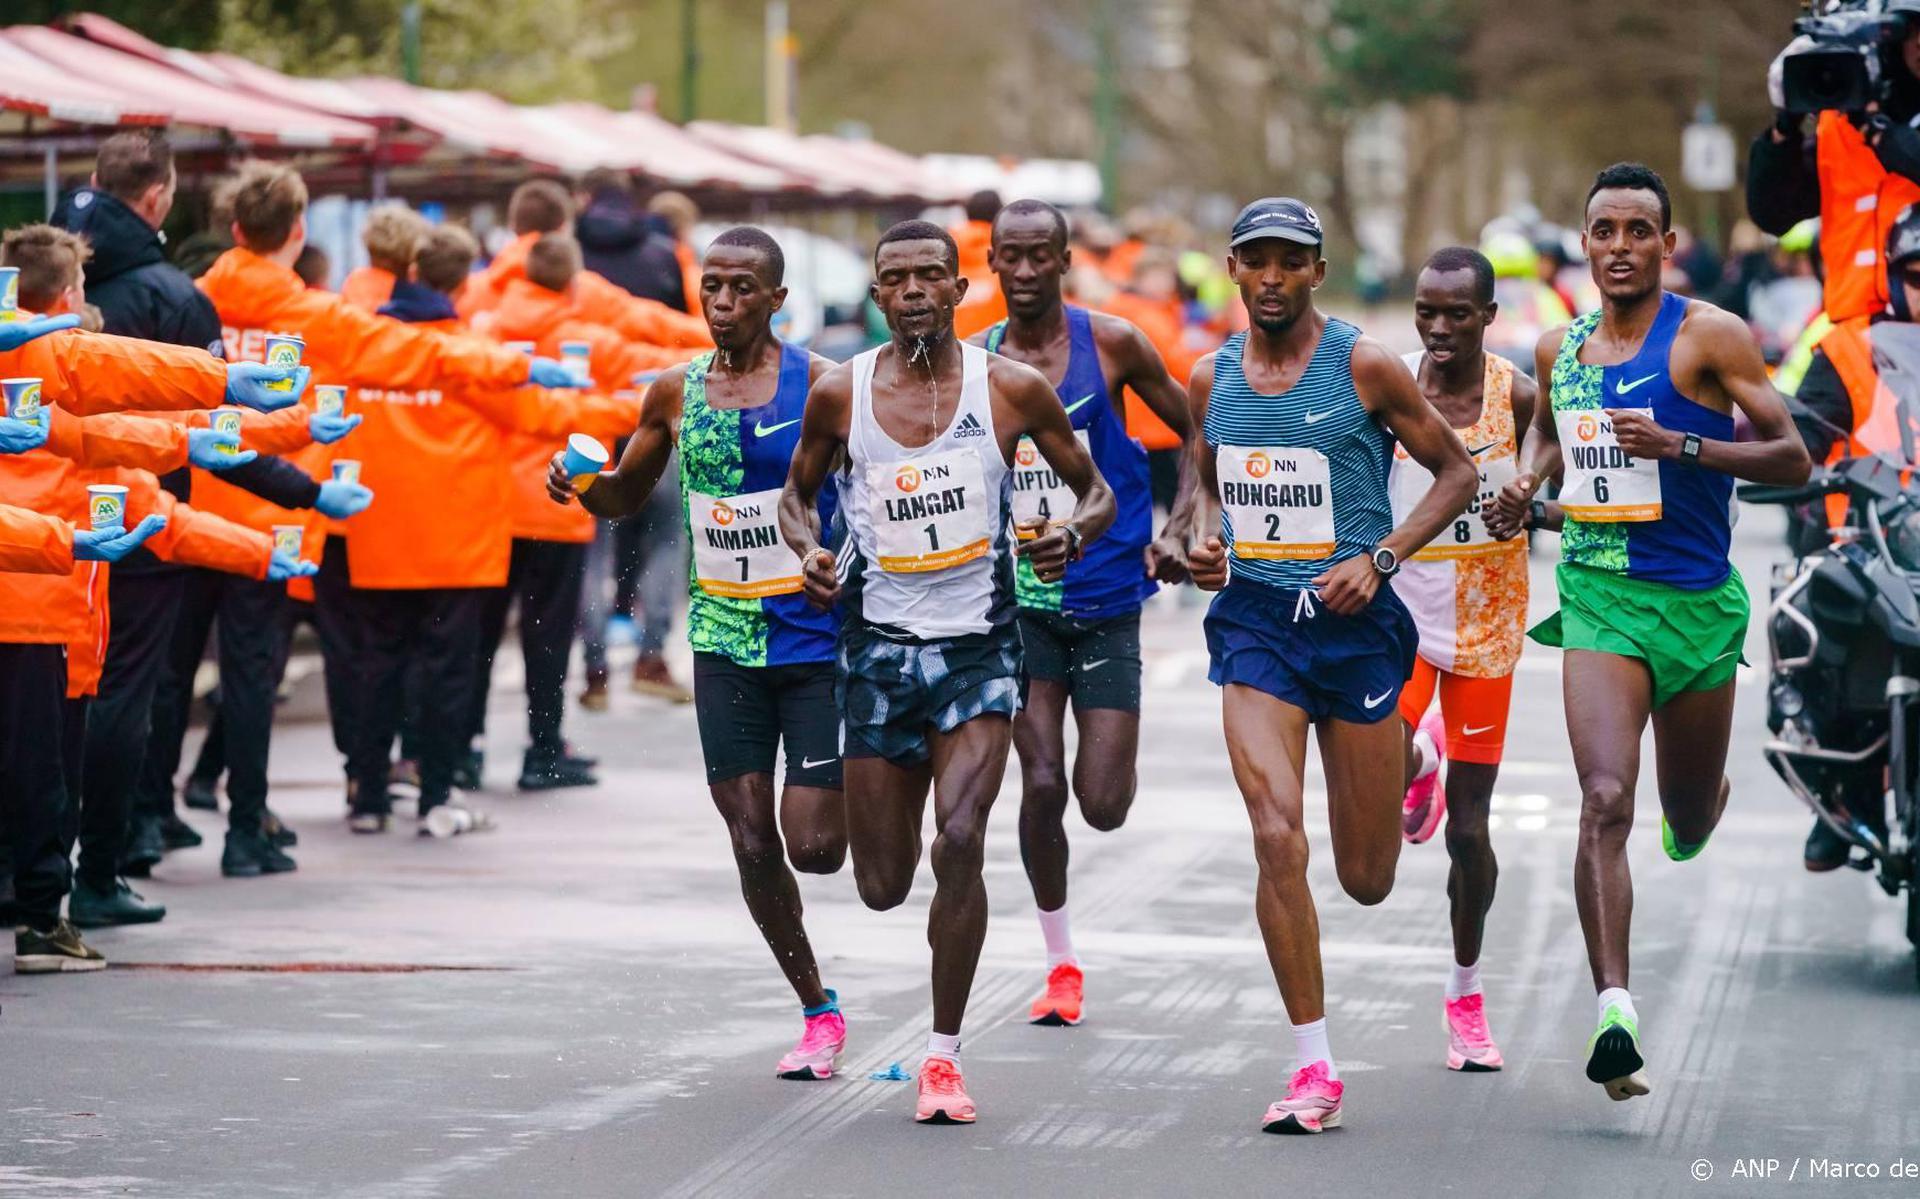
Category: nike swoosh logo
[1314,418]
[1374,701]
[1083,399]
[809,763]
[1623,388]
[1483,449]
[1096,664]
[1472,732]
[760,429]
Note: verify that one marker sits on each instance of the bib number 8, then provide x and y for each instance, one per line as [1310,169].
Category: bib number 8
[1462,531]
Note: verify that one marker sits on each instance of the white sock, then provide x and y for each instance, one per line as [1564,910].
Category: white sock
[1310,1045]
[1053,926]
[1618,997]
[939,1044]
[1464,980]
[1425,753]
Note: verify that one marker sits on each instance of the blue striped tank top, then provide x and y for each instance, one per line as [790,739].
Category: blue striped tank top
[1322,412]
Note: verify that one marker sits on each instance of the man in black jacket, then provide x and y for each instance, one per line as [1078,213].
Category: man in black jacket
[626,244]
[140,294]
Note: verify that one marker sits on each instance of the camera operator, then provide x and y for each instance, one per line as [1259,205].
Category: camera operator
[1861,168]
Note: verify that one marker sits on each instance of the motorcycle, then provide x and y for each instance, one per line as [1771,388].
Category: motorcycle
[1843,630]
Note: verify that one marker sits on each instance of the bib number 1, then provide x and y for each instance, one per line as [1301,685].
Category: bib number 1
[929,513]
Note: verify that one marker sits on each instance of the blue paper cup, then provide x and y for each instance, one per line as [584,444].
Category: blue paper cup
[9,293]
[346,470]
[585,459]
[22,398]
[107,506]
[285,349]
[330,399]
[287,538]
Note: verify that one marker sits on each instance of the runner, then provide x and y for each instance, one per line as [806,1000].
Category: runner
[763,656]
[1467,592]
[1081,635]
[1308,631]
[1652,612]
[929,664]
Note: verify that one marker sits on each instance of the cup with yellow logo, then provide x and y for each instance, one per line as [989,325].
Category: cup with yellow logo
[286,539]
[107,506]
[329,399]
[9,293]
[584,460]
[226,420]
[285,349]
[22,398]
[346,470]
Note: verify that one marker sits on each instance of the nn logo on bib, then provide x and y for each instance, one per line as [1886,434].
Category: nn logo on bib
[969,427]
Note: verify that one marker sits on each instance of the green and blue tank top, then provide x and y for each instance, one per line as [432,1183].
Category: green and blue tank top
[738,451]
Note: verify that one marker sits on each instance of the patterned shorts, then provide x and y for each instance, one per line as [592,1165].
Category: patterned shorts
[891,692]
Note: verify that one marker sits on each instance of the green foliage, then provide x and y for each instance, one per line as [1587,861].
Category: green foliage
[191,24]
[1395,50]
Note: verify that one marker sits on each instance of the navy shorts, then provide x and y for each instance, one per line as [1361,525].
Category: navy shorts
[891,692]
[746,713]
[1097,661]
[1329,666]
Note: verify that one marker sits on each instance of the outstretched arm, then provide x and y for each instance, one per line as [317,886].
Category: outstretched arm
[823,431]
[622,490]
[1029,400]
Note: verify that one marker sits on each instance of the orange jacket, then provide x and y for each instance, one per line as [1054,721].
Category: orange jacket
[531,313]
[1162,324]
[984,306]
[597,299]
[690,279]
[118,439]
[367,287]
[1875,427]
[34,544]
[344,344]
[88,373]
[438,461]
[1859,202]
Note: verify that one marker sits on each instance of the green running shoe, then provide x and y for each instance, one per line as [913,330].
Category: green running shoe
[1675,849]
[1613,1057]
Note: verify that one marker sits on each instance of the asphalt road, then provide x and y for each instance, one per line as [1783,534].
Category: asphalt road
[577,1003]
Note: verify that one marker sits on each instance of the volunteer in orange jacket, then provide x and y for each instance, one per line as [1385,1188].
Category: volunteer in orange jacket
[442,536]
[256,292]
[983,306]
[392,233]
[549,542]
[539,207]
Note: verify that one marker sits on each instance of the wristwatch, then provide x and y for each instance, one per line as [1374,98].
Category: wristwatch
[1536,514]
[1075,543]
[1690,449]
[1385,561]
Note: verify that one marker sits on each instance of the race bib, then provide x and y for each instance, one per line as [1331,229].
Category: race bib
[1601,482]
[1466,536]
[1277,500]
[737,548]
[929,513]
[1038,491]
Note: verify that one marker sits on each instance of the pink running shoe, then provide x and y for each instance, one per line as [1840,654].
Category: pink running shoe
[943,1094]
[1426,800]
[1470,1046]
[819,1049]
[1312,1103]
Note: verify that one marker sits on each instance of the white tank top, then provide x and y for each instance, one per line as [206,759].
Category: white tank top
[929,556]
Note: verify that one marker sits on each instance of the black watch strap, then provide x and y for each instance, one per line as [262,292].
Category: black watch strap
[1690,449]
[1536,514]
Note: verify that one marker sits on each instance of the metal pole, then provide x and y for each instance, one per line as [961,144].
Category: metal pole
[51,158]
[780,59]
[410,41]
[1106,104]
[689,62]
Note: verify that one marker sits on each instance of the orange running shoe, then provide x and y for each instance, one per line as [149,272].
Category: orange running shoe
[943,1094]
[1061,1004]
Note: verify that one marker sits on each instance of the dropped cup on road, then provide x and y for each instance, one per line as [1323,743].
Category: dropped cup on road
[284,349]
[22,398]
[287,538]
[9,293]
[346,470]
[584,460]
[226,420]
[577,357]
[449,820]
[107,506]
[330,399]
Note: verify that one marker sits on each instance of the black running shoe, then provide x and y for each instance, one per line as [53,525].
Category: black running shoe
[550,772]
[176,833]
[278,831]
[199,795]
[104,907]
[249,855]
[146,845]
[58,950]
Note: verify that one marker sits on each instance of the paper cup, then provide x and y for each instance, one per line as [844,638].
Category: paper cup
[577,357]
[107,506]
[522,347]
[284,349]
[330,399]
[287,538]
[346,470]
[22,398]
[584,461]
[9,293]
[226,420]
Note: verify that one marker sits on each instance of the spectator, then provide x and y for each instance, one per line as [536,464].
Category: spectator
[314,267]
[392,234]
[620,241]
[983,304]
[681,215]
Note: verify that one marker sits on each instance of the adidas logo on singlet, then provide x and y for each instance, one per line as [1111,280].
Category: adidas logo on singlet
[969,427]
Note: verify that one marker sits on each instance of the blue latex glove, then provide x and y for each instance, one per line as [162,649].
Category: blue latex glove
[111,545]
[328,429]
[341,500]
[203,450]
[14,334]
[19,436]
[283,567]
[545,372]
[247,385]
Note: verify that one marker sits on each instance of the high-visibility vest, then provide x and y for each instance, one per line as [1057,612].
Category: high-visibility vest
[1859,202]
[1875,426]
[1792,371]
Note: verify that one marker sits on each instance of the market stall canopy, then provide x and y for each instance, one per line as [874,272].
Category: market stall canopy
[676,157]
[32,87]
[833,165]
[1067,182]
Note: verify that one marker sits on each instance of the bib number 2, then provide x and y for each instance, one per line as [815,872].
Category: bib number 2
[1277,500]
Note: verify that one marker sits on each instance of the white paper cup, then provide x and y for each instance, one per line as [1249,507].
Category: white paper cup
[22,397]
[284,349]
[107,506]
[330,399]
[346,470]
[9,293]
[287,539]
[577,357]
[226,420]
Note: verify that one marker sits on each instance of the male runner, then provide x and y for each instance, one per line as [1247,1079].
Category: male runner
[763,656]
[1300,414]
[929,672]
[1081,635]
[1467,592]
[1639,413]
